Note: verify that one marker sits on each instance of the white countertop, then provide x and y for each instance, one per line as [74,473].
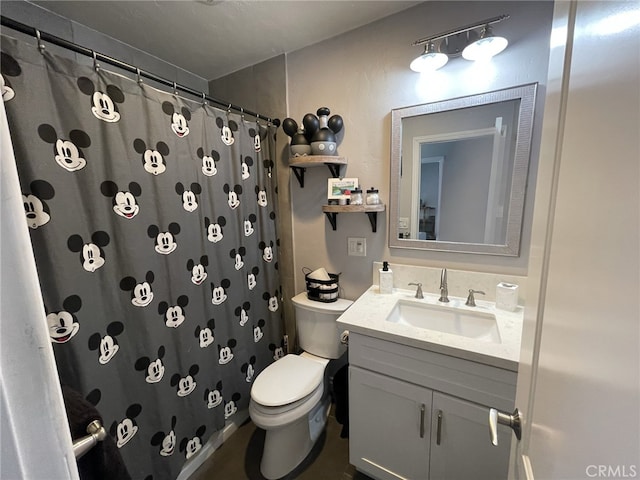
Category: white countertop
[368,313]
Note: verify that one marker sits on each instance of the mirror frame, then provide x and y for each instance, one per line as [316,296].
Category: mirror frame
[526,94]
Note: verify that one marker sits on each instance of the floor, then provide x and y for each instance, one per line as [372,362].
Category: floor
[239,457]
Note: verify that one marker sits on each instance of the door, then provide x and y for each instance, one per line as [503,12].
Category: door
[389,433]
[579,376]
[430,189]
[460,444]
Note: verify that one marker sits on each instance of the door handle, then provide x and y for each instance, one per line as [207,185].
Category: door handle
[513,420]
[422,412]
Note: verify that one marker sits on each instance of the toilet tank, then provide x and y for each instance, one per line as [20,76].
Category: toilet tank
[318,331]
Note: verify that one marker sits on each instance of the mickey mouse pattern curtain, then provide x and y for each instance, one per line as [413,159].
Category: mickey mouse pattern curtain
[152,220]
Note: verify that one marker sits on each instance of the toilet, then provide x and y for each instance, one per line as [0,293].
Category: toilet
[290,398]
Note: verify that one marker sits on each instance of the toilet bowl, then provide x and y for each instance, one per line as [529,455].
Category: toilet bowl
[290,398]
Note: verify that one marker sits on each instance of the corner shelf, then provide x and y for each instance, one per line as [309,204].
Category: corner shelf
[332,211]
[300,164]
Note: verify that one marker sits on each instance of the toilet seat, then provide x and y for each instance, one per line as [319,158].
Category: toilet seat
[268,417]
[304,405]
[287,381]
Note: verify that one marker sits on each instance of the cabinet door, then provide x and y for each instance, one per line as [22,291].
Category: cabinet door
[461,448]
[389,424]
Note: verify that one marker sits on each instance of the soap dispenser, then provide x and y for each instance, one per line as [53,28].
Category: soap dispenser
[386,279]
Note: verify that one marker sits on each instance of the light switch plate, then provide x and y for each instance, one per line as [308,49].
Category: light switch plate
[403,222]
[357,246]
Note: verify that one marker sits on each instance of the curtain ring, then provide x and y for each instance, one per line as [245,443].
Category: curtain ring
[40,44]
[139,76]
[175,88]
[96,65]
[242,113]
[204,100]
[229,109]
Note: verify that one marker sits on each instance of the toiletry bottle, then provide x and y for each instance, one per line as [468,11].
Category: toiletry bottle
[386,278]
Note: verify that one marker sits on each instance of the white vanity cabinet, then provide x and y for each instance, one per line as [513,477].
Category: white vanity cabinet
[462,449]
[388,426]
[419,415]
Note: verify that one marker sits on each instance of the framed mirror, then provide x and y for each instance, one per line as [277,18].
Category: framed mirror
[459,172]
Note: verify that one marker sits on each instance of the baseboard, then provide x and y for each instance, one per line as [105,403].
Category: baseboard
[216,440]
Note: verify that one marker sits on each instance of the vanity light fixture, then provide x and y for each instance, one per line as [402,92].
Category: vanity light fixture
[474,42]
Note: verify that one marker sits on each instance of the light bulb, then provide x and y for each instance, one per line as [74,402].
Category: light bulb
[429,61]
[485,47]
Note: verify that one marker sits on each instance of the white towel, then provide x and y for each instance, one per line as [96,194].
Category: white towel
[319,274]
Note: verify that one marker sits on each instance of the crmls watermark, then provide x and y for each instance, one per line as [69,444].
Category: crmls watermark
[612,471]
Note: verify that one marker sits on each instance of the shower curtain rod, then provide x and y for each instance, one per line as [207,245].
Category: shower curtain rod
[61,42]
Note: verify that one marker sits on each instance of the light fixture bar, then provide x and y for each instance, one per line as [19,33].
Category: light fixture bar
[456,31]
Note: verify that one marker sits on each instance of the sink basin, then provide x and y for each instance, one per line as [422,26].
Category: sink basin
[446,319]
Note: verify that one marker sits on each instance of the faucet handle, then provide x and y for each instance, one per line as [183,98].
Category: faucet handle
[418,290]
[471,301]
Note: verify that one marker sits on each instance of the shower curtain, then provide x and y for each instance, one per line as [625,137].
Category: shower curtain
[152,220]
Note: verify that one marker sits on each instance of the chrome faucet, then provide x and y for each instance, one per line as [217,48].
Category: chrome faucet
[471,301]
[418,290]
[444,291]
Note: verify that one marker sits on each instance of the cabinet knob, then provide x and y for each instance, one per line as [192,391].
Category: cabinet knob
[513,420]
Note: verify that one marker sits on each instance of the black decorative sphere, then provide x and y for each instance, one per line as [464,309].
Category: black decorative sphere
[290,126]
[335,123]
[311,125]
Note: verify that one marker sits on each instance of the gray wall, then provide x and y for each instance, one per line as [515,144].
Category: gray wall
[362,75]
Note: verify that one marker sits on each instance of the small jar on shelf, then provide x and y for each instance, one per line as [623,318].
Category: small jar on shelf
[373,197]
[356,196]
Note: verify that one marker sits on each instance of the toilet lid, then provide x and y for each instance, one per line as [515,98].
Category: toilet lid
[338,307]
[286,381]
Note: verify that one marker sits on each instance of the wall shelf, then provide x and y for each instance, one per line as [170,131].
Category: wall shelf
[332,211]
[300,164]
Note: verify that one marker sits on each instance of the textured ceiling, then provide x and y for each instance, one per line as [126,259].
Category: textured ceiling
[213,38]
